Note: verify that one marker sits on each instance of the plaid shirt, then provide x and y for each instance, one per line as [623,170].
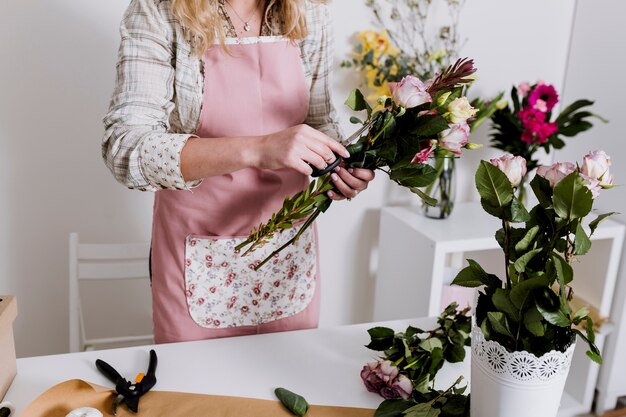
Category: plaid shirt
[155,106]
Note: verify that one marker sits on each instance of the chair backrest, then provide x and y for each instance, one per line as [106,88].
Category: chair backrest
[127,261]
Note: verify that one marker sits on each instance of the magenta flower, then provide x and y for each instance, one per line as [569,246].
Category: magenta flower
[423,156]
[544,97]
[536,129]
[385,379]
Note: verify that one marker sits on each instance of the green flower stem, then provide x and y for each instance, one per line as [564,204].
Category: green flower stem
[507,244]
[304,226]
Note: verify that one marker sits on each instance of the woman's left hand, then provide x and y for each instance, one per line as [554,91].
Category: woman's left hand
[349,182]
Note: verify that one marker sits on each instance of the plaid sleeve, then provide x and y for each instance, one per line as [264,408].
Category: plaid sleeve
[137,146]
[318,50]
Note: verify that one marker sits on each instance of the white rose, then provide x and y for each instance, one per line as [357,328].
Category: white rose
[556,172]
[410,92]
[514,167]
[596,166]
[460,110]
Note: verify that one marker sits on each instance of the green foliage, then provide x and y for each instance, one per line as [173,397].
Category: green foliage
[530,309]
[420,354]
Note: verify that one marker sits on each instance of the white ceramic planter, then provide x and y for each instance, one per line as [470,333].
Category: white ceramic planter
[517,384]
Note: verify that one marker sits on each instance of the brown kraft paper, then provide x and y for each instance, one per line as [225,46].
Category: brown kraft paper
[61,399]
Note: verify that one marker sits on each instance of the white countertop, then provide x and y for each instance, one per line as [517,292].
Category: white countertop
[323,365]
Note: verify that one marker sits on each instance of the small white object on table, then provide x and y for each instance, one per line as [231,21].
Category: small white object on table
[323,365]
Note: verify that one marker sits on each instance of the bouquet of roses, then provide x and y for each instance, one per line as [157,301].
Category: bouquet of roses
[401,134]
[530,308]
[528,124]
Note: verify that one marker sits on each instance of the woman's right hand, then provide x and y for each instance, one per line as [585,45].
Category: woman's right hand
[296,148]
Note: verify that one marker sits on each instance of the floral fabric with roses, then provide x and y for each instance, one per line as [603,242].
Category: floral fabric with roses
[245,297]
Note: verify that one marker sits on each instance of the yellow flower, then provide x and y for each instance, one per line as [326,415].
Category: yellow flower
[379,91]
[377,42]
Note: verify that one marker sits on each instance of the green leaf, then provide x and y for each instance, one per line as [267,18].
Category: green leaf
[356,101]
[533,321]
[355,120]
[558,318]
[522,261]
[493,185]
[425,197]
[564,271]
[519,214]
[572,199]
[581,314]
[543,191]
[393,408]
[422,410]
[294,402]
[430,125]
[455,353]
[382,338]
[527,240]
[417,175]
[471,277]
[431,344]
[503,303]
[565,114]
[582,244]
[494,211]
[499,323]
[596,222]
[522,291]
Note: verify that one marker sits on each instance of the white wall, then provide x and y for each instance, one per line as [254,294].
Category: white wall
[55,80]
[596,65]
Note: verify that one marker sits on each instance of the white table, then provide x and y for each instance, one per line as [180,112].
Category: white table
[323,365]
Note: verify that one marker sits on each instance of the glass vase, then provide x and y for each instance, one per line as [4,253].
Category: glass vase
[443,189]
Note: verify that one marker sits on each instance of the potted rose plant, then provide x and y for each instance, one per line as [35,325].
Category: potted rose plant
[525,328]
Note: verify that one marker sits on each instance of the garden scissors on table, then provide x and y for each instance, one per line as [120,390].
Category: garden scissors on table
[129,393]
[338,159]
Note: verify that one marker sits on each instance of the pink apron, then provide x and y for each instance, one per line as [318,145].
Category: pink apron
[201,288]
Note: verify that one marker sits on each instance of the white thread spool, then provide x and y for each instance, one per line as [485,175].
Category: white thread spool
[7,406]
[85,412]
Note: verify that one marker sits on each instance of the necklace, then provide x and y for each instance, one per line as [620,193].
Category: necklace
[246,22]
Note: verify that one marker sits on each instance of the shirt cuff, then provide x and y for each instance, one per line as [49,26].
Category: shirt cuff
[159,161]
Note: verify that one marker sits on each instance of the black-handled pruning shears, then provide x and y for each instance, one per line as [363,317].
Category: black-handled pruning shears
[338,159]
[127,392]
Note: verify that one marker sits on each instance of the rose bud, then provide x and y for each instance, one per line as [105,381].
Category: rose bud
[514,167]
[459,110]
[384,378]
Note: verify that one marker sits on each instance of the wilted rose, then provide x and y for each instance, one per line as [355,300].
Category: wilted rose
[596,166]
[410,92]
[556,172]
[460,110]
[454,138]
[514,167]
[385,379]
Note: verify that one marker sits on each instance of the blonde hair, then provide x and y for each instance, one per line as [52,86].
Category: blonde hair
[203,24]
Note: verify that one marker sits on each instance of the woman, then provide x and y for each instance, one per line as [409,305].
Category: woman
[222,107]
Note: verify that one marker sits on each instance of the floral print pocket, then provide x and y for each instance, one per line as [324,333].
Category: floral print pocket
[223,290]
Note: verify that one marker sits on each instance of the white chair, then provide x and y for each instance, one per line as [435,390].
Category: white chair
[127,261]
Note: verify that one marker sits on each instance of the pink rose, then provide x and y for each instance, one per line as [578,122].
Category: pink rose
[596,166]
[556,172]
[454,138]
[593,185]
[423,156]
[385,379]
[514,167]
[410,93]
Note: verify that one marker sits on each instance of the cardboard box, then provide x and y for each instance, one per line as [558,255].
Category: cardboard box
[8,365]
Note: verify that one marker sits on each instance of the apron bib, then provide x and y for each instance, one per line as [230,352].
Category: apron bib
[201,287]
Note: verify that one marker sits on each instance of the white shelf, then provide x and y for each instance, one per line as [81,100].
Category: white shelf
[417,255]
